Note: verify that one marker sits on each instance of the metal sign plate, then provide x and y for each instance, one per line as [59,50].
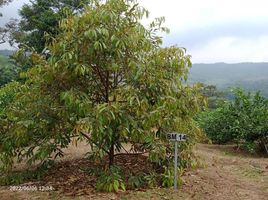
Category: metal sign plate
[176,137]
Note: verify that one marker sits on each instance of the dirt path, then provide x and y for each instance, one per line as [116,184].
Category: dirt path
[227,175]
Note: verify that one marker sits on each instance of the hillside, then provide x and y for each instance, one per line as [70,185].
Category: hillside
[250,76]
[6,52]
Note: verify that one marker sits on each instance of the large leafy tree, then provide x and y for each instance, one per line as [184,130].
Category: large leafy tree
[38,23]
[107,81]
[41,17]
[214,96]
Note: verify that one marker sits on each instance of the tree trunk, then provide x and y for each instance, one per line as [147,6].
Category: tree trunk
[111,155]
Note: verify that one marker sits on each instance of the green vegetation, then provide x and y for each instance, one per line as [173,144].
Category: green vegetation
[109,82]
[40,18]
[8,71]
[95,73]
[7,96]
[242,120]
[214,97]
[38,25]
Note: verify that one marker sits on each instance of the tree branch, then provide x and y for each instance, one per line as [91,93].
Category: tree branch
[89,138]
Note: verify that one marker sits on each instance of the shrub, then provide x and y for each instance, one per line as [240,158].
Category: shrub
[242,120]
[111,180]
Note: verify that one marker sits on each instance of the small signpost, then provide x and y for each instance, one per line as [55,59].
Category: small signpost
[176,137]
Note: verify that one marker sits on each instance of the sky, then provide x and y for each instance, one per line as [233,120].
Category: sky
[212,31]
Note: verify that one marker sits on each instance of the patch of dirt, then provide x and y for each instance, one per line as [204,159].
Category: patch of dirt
[224,177]
[227,175]
[73,177]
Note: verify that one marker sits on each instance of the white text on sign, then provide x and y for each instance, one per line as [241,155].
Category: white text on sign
[176,137]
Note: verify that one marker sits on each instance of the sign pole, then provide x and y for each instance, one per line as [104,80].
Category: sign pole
[175,165]
[176,137]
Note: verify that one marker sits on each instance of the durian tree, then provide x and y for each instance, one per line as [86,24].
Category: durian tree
[108,81]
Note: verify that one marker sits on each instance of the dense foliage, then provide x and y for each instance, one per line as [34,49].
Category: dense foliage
[8,71]
[214,97]
[243,120]
[108,82]
[7,95]
[40,18]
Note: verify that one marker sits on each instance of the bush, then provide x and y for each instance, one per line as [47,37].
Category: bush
[111,180]
[242,120]
[7,95]
[216,123]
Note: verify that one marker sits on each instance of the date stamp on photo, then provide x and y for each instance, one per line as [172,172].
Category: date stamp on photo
[31,188]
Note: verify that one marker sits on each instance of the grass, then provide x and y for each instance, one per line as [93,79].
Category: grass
[251,172]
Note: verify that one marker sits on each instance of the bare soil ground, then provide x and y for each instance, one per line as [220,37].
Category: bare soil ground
[227,174]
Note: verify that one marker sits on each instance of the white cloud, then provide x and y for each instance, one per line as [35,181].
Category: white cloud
[232,49]
[211,30]
[216,30]
[11,11]
[181,14]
